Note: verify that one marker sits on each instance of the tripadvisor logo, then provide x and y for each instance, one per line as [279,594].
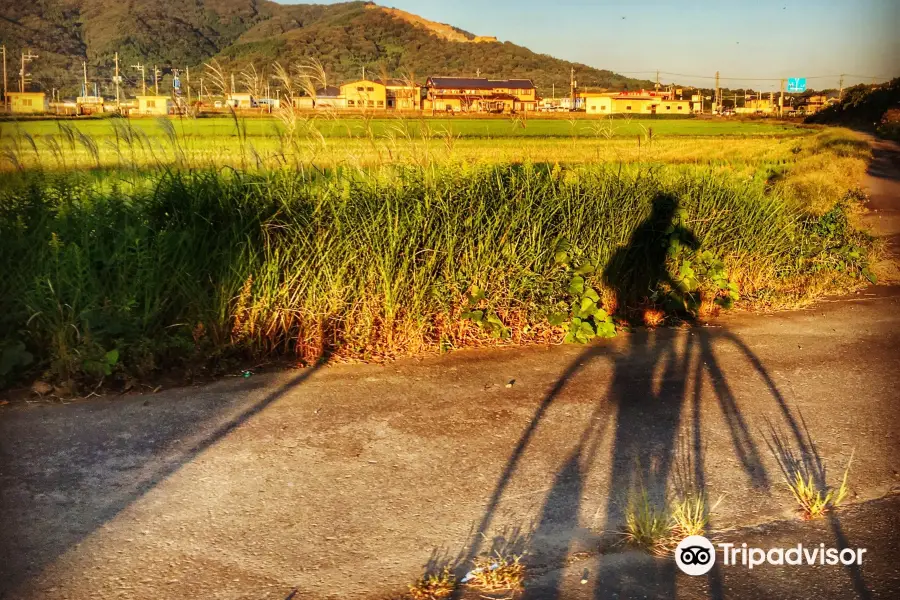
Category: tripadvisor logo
[695,555]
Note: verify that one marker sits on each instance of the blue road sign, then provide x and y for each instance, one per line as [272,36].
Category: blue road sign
[796,84]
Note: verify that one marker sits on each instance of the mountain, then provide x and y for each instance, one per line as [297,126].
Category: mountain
[345,38]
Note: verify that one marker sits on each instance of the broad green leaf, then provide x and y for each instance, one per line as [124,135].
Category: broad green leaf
[473,315]
[557,319]
[586,330]
[576,286]
[606,329]
[588,308]
[112,357]
[585,269]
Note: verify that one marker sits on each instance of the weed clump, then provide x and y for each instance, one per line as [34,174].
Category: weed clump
[498,573]
[434,586]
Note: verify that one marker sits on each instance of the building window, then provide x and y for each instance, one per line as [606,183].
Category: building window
[628,107]
[381,104]
[151,103]
[668,108]
[371,103]
[26,101]
[602,108]
[370,89]
[593,108]
[351,102]
[360,89]
[680,107]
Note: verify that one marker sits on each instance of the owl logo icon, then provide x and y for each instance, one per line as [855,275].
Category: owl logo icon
[695,555]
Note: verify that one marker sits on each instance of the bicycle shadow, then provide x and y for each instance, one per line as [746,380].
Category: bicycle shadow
[656,392]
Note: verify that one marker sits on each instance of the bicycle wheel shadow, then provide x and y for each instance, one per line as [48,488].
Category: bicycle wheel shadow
[651,414]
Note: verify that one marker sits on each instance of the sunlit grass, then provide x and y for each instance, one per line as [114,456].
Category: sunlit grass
[168,260]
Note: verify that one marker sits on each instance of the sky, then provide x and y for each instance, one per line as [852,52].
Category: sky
[748,42]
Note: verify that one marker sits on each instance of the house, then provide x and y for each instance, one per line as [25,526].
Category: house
[813,104]
[153,105]
[402,94]
[27,102]
[365,94]
[758,105]
[461,94]
[240,100]
[640,102]
[328,97]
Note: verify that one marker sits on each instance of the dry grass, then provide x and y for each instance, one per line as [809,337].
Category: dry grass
[654,317]
[498,573]
[826,167]
[434,586]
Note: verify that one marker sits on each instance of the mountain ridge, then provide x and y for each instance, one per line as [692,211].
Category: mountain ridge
[345,37]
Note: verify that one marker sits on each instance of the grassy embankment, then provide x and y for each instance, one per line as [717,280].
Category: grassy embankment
[118,271]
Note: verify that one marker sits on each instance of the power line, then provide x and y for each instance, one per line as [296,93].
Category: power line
[712,77]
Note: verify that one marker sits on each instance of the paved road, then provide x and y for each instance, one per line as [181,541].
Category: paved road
[348,481]
[345,482]
[871,526]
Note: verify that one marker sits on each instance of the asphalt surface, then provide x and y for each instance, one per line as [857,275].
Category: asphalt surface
[871,526]
[349,481]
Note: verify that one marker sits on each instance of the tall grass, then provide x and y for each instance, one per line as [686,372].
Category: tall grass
[176,265]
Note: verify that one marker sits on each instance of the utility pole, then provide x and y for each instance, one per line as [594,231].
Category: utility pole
[141,68]
[841,92]
[573,85]
[118,104]
[84,87]
[781,100]
[657,80]
[201,90]
[27,57]
[718,96]
[156,79]
[5,90]
[232,84]
[187,83]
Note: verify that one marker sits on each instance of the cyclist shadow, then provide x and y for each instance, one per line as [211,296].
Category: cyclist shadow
[652,414]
